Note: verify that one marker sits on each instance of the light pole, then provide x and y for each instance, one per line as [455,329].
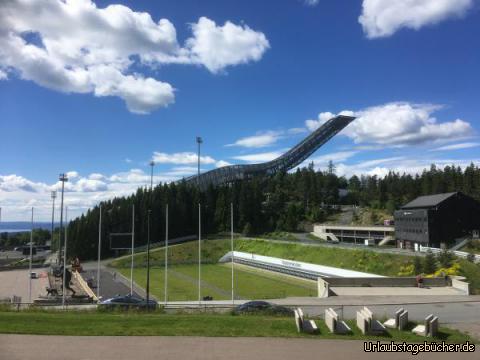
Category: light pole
[53,195]
[63,178]
[152,164]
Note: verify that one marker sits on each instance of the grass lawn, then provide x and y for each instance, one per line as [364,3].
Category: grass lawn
[98,323]
[314,237]
[355,259]
[216,282]
[280,235]
[213,250]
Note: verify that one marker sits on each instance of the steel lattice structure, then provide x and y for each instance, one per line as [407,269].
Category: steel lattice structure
[292,158]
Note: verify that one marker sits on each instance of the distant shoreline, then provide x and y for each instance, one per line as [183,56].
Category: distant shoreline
[13,230]
[24,226]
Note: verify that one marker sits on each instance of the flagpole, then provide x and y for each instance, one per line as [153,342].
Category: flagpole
[65,256]
[231,243]
[166,254]
[133,249]
[199,254]
[99,250]
[30,263]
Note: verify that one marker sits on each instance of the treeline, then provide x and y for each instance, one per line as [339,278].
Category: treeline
[261,205]
[11,240]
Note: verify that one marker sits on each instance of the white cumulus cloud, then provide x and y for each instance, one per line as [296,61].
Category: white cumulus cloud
[184,158]
[262,139]
[399,124]
[76,47]
[222,163]
[382,18]
[260,157]
[217,47]
[381,167]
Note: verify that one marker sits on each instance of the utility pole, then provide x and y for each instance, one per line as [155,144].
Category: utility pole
[152,164]
[63,178]
[53,196]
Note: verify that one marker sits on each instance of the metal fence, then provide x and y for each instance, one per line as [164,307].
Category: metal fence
[461,254]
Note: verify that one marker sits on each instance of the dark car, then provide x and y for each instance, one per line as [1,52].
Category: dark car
[263,307]
[128,302]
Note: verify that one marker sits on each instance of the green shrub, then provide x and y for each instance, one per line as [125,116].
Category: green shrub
[429,263]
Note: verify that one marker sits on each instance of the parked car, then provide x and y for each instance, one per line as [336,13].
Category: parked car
[263,307]
[127,302]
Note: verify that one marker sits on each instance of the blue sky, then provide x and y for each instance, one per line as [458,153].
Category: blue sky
[104,89]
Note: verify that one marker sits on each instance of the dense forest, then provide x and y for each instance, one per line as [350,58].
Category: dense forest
[261,205]
[11,240]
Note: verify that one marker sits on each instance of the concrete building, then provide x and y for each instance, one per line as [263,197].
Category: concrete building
[436,220]
[370,235]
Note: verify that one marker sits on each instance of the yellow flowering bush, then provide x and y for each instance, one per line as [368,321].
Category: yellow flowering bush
[451,271]
[406,270]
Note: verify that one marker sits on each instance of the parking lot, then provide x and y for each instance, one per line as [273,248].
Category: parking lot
[16,282]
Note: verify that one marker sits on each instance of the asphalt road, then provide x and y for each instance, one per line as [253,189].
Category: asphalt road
[28,347]
[110,284]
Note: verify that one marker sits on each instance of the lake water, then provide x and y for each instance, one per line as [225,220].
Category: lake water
[13,230]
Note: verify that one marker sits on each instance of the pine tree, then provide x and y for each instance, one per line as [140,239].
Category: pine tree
[417,265]
[445,258]
[429,263]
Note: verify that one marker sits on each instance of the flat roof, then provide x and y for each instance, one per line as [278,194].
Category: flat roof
[358,228]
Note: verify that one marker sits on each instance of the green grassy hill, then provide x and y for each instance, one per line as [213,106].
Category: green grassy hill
[249,283]
[213,250]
